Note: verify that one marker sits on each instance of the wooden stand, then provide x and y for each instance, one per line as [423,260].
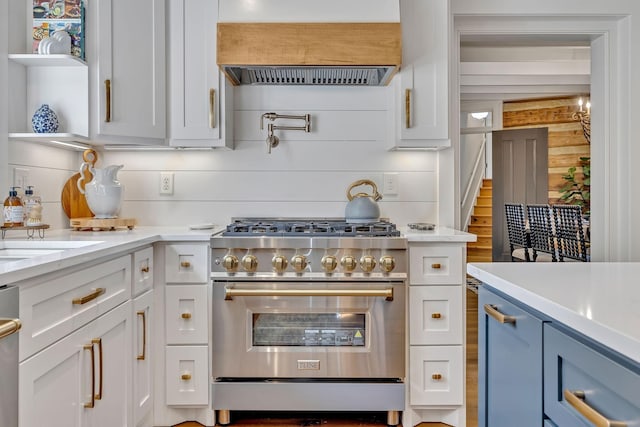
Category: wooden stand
[101,224]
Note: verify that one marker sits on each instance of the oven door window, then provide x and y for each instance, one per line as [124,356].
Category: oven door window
[304,329]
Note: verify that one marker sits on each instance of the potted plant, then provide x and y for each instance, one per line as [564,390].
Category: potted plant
[577,190]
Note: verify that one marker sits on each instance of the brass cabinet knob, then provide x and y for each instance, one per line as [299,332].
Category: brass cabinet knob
[250,263]
[387,264]
[436,377]
[186,315]
[299,263]
[367,263]
[279,263]
[145,269]
[329,263]
[185,264]
[436,266]
[185,377]
[348,263]
[436,315]
[230,263]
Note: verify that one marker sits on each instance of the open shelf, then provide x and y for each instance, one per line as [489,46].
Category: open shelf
[54,60]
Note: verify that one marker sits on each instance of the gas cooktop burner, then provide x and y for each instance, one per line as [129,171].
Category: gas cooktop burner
[308,227]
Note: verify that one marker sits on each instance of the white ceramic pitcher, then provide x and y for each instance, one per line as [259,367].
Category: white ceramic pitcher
[104,193]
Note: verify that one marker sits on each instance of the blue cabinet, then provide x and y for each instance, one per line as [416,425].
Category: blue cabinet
[509,363]
[584,386]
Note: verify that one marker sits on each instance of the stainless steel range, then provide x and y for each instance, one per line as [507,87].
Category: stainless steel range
[308,315]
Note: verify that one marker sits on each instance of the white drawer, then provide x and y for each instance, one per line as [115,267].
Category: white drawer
[187,263]
[142,271]
[435,315]
[435,375]
[187,375]
[436,265]
[187,316]
[54,305]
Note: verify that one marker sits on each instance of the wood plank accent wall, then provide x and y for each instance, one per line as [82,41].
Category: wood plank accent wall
[566,141]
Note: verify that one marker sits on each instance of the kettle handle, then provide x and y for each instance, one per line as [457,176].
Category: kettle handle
[90,157]
[376,196]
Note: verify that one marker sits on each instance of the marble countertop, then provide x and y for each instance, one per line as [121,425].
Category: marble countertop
[599,300]
[438,234]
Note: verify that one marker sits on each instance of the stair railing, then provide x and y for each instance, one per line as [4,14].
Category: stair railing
[473,187]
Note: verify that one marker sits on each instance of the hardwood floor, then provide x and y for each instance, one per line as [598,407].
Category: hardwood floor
[258,419]
[472,359]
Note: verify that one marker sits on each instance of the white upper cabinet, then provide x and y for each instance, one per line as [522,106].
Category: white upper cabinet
[420,105]
[126,56]
[198,97]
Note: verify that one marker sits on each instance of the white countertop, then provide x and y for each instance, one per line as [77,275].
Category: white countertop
[439,234]
[599,300]
[109,242]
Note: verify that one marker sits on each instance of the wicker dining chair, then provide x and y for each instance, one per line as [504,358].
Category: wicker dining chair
[519,244]
[541,232]
[570,233]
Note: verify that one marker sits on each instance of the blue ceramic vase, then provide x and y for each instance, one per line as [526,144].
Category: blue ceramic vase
[44,120]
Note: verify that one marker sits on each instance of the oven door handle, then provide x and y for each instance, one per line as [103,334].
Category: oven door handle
[229,293]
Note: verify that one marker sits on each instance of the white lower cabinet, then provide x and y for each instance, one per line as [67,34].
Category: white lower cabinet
[187,375]
[83,379]
[143,359]
[436,375]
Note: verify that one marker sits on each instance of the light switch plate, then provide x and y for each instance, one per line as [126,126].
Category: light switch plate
[390,184]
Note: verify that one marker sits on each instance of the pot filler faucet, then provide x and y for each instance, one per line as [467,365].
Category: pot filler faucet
[272,139]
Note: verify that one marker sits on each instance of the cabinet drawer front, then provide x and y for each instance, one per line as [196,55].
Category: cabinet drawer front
[187,375]
[142,271]
[609,387]
[435,315]
[187,315]
[436,375]
[48,310]
[437,265]
[187,263]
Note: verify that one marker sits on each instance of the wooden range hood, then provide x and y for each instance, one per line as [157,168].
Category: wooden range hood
[340,54]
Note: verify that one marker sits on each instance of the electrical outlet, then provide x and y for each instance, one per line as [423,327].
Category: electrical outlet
[390,184]
[21,178]
[166,182]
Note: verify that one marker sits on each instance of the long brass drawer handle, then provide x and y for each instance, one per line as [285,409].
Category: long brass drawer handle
[107,96]
[233,292]
[185,264]
[90,297]
[99,342]
[212,108]
[407,108]
[186,315]
[9,326]
[576,400]
[436,266]
[143,314]
[185,377]
[492,311]
[92,402]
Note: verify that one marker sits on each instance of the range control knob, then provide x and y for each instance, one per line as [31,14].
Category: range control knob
[250,263]
[387,264]
[230,263]
[299,263]
[279,263]
[367,263]
[348,263]
[329,263]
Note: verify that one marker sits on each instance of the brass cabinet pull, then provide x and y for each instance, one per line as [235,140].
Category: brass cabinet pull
[9,326]
[142,314]
[145,269]
[436,266]
[99,342]
[212,108]
[492,311]
[576,400]
[186,315]
[436,315]
[185,264]
[185,377]
[90,297]
[92,402]
[436,377]
[107,95]
[407,108]
[233,292]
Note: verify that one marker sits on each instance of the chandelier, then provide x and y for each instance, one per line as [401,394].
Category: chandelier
[585,119]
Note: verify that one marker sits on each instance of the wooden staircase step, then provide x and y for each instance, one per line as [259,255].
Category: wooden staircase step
[482,240]
[479,258]
[486,192]
[487,182]
[480,229]
[484,201]
[482,210]
[478,251]
[481,219]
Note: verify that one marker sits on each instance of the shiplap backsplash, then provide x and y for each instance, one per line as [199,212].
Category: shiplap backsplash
[307,175]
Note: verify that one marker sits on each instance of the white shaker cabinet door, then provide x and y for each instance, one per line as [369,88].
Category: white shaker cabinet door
[127,59]
[143,359]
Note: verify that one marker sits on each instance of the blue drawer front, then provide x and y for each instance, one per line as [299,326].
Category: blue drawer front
[509,366]
[610,388]
[549,423]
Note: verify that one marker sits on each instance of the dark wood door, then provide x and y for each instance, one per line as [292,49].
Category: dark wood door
[520,175]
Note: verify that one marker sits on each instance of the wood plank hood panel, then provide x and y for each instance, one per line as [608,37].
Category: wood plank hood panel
[361,54]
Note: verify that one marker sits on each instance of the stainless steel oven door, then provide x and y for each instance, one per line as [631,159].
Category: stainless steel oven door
[308,329]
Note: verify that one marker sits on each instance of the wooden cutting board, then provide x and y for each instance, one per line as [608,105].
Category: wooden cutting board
[74,204]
